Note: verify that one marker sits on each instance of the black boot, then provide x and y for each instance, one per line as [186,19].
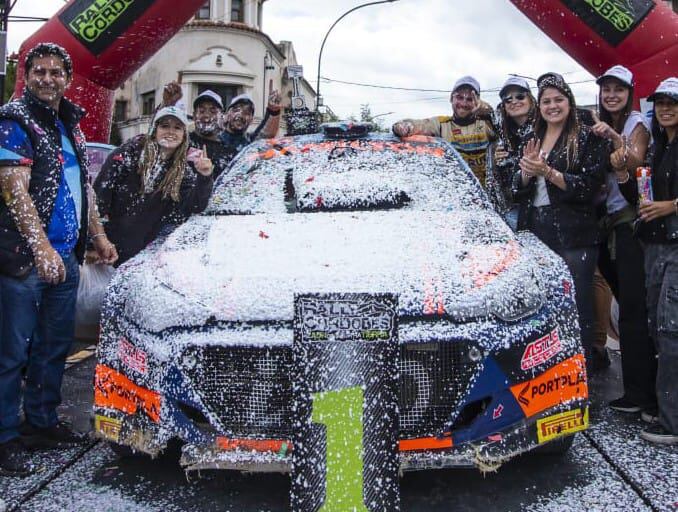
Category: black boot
[14,459]
[57,436]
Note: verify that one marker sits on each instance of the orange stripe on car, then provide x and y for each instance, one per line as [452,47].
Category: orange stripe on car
[424,443]
[254,445]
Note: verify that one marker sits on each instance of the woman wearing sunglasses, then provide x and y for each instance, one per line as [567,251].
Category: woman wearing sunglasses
[561,171]
[515,116]
[621,255]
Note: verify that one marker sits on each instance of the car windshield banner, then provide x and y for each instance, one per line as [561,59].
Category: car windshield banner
[612,20]
[345,380]
[98,23]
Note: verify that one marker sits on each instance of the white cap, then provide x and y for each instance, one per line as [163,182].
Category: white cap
[620,73]
[668,87]
[469,81]
[514,81]
[208,96]
[172,111]
[246,98]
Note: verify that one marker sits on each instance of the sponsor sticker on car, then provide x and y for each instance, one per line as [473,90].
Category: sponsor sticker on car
[541,350]
[132,357]
[108,427]
[115,391]
[561,384]
[561,424]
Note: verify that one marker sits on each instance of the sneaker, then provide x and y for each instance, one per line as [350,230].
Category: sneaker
[14,459]
[658,434]
[624,405]
[57,436]
[650,415]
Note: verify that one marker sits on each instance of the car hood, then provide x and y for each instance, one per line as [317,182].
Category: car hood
[248,268]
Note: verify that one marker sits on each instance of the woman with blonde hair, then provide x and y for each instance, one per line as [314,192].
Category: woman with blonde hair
[152,183]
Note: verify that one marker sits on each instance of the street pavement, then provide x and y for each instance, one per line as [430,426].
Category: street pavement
[608,468]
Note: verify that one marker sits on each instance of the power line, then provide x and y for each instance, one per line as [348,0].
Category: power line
[414,89]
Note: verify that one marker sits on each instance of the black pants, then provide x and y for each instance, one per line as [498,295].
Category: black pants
[626,277]
[581,262]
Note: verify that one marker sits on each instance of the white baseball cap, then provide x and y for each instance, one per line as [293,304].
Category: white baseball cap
[514,81]
[171,111]
[242,98]
[620,73]
[208,96]
[668,87]
[468,81]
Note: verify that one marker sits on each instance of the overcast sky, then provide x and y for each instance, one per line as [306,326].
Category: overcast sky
[425,44]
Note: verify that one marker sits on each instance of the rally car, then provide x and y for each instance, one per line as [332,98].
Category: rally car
[197,330]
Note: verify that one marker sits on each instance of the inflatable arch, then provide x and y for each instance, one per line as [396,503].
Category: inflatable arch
[110,39]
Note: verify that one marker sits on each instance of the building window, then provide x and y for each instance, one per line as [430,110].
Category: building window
[237,11]
[120,111]
[204,12]
[227,92]
[147,103]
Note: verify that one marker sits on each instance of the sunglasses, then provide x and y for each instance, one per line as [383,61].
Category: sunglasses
[518,97]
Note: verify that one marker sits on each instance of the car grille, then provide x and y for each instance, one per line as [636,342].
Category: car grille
[249,392]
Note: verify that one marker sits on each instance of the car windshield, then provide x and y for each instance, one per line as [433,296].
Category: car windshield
[311,173]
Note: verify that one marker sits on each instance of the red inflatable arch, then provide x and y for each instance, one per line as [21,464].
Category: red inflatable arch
[110,39]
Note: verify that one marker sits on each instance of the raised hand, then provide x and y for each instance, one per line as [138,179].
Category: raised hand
[202,163]
[171,93]
[274,99]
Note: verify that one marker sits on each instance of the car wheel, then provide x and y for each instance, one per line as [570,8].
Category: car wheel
[558,447]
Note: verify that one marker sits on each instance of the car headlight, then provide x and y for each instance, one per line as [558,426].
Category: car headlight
[522,301]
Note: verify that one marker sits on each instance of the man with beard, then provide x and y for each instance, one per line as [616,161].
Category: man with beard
[239,117]
[207,108]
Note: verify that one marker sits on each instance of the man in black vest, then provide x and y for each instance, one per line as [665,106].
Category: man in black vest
[44,222]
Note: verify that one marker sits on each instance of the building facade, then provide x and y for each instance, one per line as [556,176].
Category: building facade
[223,48]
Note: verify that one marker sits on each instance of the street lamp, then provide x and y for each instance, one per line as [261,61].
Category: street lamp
[320,55]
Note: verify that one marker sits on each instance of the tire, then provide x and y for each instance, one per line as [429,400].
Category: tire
[556,448]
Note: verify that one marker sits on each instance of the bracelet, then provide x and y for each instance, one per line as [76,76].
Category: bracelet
[548,174]
[625,180]
[97,235]
[272,113]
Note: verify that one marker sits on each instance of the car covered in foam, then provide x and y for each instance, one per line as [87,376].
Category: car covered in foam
[197,330]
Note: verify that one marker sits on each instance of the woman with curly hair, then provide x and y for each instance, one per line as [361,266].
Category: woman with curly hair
[152,183]
[561,172]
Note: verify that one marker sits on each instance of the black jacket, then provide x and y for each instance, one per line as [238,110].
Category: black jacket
[664,163]
[134,219]
[39,121]
[573,210]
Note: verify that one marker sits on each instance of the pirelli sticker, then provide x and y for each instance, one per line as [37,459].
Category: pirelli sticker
[612,20]
[108,427]
[562,424]
[98,23]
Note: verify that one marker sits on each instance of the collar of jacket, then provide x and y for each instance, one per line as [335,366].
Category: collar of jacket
[69,112]
[464,121]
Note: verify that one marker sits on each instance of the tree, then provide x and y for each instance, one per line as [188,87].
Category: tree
[10,80]
[367,117]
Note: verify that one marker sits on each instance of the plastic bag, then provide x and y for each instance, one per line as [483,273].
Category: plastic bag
[94,278]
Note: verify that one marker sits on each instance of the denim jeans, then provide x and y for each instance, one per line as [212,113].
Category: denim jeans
[661,274]
[37,332]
